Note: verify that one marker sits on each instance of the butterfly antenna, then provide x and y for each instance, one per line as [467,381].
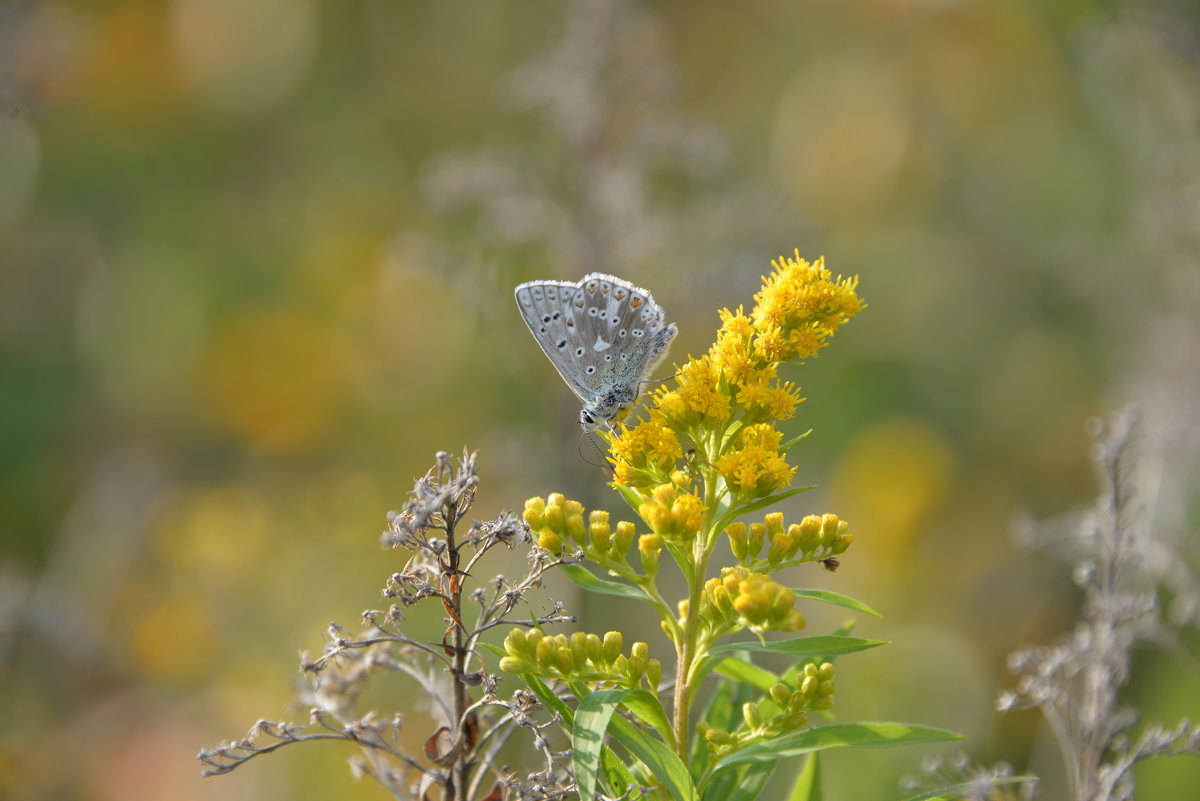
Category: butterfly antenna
[603,463]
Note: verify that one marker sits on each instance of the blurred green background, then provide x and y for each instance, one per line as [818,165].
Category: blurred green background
[256,264]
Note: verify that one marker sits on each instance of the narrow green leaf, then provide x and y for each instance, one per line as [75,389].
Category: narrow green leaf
[834,735]
[960,790]
[646,706]
[748,673]
[807,786]
[587,736]
[837,599]
[662,761]
[819,646]
[785,447]
[761,503]
[615,772]
[585,579]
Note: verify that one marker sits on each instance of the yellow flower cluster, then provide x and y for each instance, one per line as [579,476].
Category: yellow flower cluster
[556,521]
[673,513]
[734,387]
[754,600]
[800,307]
[814,537]
[754,467]
[581,656]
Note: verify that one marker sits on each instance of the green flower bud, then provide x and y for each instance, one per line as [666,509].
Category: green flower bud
[544,652]
[513,664]
[738,543]
[620,665]
[654,674]
[779,547]
[780,694]
[516,643]
[564,660]
[758,535]
[825,671]
[638,656]
[826,688]
[751,714]
[718,737]
[579,648]
[809,686]
[595,649]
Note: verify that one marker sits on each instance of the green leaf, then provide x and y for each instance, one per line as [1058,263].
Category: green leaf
[787,446]
[837,599]
[587,737]
[834,735]
[585,579]
[646,706]
[807,786]
[662,761]
[804,647]
[960,790]
[754,506]
[747,673]
[615,772]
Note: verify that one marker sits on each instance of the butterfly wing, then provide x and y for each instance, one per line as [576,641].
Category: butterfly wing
[548,309]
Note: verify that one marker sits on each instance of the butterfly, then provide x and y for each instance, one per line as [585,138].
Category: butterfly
[604,336]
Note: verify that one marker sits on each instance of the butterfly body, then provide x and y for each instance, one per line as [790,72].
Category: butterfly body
[604,336]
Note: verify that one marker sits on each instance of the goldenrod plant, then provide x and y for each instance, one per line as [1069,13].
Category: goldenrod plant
[703,462]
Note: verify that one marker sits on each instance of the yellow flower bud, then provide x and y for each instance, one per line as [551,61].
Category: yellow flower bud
[637,660]
[780,694]
[620,665]
[656,516]
[597,516]
[535,509]
[809,686]
[555,520]
[829,529]
[826,688]
[779,547]
[650,543]
[601,536]
[572,508]
[576,528]
[624,537]
[612,646]
[825,671]
[550,541]
[664,494]
[556,499]
[544,651]
[774,523]
[810,533]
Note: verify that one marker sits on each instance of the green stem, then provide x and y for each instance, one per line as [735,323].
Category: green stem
[686,651]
